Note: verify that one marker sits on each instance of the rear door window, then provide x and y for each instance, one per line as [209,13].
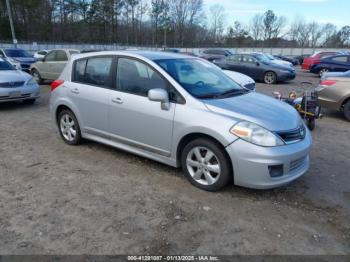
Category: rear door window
[342,59]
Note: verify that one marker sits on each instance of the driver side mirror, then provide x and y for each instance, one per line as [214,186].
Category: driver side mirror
[257,63]
[159,95]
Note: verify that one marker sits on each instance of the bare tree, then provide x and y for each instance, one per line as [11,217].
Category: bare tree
[217,19]
[256,27]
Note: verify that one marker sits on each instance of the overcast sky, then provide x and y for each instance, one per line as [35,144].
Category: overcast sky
[323,11]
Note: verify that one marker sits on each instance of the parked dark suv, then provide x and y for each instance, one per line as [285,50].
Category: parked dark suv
[213,54]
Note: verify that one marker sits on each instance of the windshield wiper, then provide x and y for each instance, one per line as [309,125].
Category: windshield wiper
[228,93]
[233,92]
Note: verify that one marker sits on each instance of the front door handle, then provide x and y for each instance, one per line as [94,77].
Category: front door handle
[75,90]
[117,100]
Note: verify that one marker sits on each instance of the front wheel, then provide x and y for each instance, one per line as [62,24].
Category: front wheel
[206,165]
[270,78]
[37,77]
[322,71]
[69,128]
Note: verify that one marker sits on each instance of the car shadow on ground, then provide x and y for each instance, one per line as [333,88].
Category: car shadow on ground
[15,105]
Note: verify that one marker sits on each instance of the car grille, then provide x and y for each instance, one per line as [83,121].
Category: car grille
[14,98]
[296,164]
[11,84]
[292,136]
[26,66]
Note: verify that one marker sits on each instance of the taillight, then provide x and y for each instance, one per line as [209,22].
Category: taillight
[56,84]
[328,82]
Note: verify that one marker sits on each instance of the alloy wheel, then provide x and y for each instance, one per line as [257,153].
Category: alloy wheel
[270,78]
[322,71]
[67,127]
[203,165]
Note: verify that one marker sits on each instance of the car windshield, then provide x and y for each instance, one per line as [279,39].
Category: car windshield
[201,78]
[263,58]
[16,53]
[269,57]
[4,65]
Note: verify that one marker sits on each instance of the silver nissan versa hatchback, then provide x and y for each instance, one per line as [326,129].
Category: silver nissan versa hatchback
[181,111]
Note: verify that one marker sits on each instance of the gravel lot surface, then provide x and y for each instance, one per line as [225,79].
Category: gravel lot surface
[93,199]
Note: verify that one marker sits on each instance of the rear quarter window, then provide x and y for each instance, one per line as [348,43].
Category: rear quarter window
[94,71]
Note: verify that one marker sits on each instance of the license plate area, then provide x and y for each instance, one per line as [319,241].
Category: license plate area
[15,94]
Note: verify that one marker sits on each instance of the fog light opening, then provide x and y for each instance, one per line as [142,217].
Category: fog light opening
[276,170]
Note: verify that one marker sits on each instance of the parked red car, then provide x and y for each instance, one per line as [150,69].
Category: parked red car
[315,59]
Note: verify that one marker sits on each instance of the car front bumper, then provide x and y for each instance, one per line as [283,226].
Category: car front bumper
[251,163]
[19,93]
[286,76]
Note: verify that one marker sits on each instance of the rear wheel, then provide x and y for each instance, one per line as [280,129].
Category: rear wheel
[69,128]
[347,110]
[322,71]
[37,77]
[206,165]
[270,78]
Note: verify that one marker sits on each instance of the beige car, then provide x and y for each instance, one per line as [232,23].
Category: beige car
[334,92]
[51,66]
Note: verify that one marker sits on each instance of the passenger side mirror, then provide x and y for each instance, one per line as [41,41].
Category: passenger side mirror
[159,95]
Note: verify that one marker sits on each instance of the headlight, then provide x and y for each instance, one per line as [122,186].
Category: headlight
[285,71]
[255,134]
[31,82]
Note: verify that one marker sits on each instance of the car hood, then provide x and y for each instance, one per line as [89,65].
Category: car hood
[280,66]
[239,78]
[13,76]
[263,110]
[25,59]
[281,62]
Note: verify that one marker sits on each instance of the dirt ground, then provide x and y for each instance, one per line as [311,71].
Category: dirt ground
[93,199]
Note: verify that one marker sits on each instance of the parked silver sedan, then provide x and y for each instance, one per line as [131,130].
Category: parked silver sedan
[181,111]
[16,85]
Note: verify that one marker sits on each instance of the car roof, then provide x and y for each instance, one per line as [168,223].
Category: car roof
[151,55]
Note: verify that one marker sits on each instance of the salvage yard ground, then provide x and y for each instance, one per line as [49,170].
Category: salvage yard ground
[93,199]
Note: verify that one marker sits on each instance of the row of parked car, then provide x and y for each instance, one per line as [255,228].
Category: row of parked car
[244,68]
[323,62]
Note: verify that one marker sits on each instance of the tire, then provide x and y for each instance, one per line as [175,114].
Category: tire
[69,128]
[29,101]
[270,78]
[36,75]
[311,124]
[210,174]
[323,70]
[347,110]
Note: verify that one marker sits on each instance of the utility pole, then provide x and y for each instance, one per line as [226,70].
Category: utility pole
[14,40]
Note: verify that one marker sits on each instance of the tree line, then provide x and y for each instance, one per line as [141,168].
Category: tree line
[179,23]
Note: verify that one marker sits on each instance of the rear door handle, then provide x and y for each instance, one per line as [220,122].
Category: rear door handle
[75,90]
[117,100]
